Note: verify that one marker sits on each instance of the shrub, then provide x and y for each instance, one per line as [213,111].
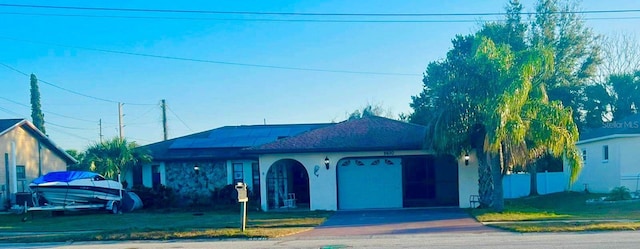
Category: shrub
[158,197]
[226,195]
[619,194]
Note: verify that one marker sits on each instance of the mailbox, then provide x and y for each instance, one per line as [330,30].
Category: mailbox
[242,192]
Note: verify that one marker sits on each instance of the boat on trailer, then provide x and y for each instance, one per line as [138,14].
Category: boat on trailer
[72,190]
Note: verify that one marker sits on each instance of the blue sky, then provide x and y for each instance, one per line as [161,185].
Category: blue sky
[203,96]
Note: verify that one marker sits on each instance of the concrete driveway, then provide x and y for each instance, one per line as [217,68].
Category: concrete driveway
[398,221]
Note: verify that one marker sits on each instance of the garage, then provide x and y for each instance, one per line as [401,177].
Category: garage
[365,183]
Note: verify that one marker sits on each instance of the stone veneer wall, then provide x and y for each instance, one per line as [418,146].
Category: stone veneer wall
[195,189]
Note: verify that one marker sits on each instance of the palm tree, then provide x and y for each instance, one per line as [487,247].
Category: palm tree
[115,156]
[486,101]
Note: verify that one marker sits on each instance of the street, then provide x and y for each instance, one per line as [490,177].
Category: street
[618,240]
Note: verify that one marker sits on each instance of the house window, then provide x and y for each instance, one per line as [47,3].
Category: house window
[237,173]
[255,172]
[584,155]
[21,172]
[605,152]
[21,176]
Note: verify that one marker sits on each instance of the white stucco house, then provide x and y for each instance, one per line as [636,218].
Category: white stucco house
[609,154]
[365,163]
[26,154]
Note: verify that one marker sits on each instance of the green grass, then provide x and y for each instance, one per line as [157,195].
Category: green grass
[569,211]
[86,226]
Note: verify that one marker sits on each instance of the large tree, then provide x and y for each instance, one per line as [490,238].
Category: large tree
[115,156]
[488,98]
[36,110]
[370,110]
[465,109]
[576,53]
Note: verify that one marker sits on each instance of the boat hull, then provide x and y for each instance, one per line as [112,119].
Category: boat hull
[78,192]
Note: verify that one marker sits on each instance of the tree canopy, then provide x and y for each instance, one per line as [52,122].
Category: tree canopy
[490,95]
[36,109]
[115,156]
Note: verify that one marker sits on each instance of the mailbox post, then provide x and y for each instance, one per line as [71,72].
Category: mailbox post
[242,198]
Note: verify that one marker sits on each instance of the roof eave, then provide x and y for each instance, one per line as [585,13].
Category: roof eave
[596,139]
[313,150]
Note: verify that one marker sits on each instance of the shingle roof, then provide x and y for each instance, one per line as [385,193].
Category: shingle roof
[365,134]
[628,125]
[224,142]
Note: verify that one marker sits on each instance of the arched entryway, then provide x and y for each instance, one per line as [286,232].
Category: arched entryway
[287,185]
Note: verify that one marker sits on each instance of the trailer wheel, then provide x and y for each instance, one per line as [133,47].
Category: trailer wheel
[115,209]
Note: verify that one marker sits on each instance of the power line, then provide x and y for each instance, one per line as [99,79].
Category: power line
[48,123]
[48,112]
[301,13]
[71,134]
[69,90]
[243,19]
[174,114]
[69,127]
[290,20]
[202,61]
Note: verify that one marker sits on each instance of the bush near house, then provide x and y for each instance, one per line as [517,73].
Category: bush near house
[619,194]
[163,197]
[227,198]
[155,198]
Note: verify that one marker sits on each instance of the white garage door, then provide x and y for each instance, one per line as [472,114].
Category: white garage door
[369,183]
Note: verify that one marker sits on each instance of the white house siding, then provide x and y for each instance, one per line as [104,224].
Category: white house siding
[598,175]
[147,174]
[323,185]
[467,179]
[627,154]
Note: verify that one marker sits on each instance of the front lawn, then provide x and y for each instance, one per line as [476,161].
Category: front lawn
[153,225]
[562,212]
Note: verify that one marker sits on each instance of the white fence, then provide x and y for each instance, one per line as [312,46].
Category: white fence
[518,185]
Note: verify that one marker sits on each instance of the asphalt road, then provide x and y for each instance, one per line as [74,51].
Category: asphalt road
[617,240]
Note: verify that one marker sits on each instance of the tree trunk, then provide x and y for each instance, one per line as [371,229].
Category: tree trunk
[485,184]
[533,171]
[496,163]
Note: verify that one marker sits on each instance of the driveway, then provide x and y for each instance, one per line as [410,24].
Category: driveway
[398,221]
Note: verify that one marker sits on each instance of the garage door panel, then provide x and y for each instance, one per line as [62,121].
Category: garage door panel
[372,184]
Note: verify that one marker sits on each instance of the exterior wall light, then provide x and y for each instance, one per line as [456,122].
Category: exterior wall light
[326,162]
[196,169]
[466,159]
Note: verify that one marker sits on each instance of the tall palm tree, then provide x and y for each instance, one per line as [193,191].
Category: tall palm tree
[486,101]
[115,156]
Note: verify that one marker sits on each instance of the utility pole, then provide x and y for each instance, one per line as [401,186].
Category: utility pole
[100,124]
[164,119]
[120,125]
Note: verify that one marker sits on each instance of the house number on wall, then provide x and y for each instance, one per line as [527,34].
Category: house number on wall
[388,153]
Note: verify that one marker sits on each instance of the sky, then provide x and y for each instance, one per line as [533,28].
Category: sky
[240,69]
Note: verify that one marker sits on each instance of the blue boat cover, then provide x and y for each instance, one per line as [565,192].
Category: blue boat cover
[64,176]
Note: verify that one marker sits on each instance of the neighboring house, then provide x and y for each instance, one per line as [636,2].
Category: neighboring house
[27,154]
[609,156]
[218,156]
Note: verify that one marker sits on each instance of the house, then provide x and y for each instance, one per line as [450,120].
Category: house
[27,154]
[608,154]
[217,156]
[371,162]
